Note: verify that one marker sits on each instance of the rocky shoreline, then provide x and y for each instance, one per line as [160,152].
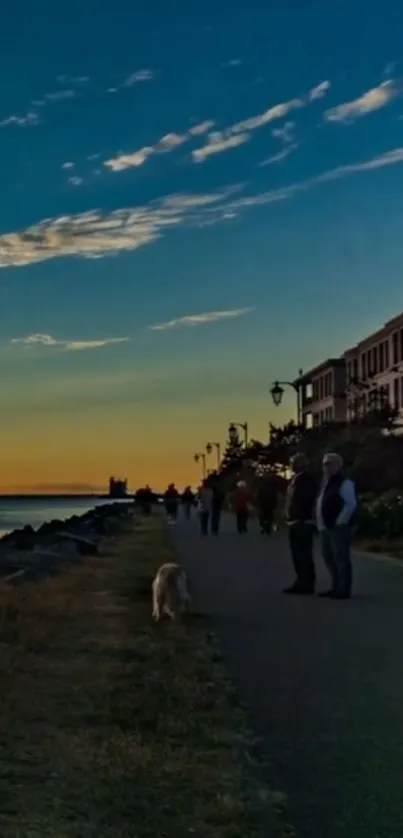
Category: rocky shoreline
[28,553]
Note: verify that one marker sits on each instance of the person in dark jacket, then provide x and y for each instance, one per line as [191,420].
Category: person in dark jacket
[336,511]
[267,503]
[216,505]
[300,511]
[188,500]
[171,500]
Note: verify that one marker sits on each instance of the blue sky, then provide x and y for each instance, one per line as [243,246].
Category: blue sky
[237,163]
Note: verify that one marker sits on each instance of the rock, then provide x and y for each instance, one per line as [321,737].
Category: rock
[83,545]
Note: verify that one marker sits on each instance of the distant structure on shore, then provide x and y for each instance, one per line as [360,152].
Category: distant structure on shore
[117,488]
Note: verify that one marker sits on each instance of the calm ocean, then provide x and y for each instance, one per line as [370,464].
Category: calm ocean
[17,512]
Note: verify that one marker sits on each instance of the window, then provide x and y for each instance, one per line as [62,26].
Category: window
[355,368]
[401,345]
[308,391]
[386,390]
[363,365]
[315,391]
[321,387]
[386,354]
[395,348]
[369,364]
[396,394]
[381,357]
[401,391]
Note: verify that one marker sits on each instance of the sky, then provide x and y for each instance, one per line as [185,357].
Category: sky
[196,199]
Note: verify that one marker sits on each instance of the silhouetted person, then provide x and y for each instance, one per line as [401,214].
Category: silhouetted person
[216,506]
[171,500]
[188,500]
[300,511]
[335,516]
[267,503]
[144,499]
[242,499]
[205,504]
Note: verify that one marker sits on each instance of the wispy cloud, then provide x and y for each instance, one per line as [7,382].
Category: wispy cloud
[29,118]
[280,156]
[76,181]
[93,234]
[68,345]
[60,95]
[319,91]
[138,77]
[218,142]
[234,62]
[68,165]
[372,100]
[165,144]
[200,319]
[245,126]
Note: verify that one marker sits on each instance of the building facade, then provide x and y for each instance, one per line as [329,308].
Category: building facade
[367,376]
[374,370]
[322,393]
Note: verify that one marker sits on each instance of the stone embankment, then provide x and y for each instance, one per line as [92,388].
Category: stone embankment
[28,554]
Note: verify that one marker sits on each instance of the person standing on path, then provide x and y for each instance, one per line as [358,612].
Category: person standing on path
[335,516]
[242,500]
[300,508]
[188,500]
[171,500]
[205,506]
[216,505]
[267,502]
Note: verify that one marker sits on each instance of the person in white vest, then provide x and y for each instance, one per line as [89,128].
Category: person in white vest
[335,517]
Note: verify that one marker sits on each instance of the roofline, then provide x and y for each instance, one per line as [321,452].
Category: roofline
[330,363]
[389,326]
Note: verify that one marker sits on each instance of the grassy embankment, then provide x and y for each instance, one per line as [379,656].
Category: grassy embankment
[111,726]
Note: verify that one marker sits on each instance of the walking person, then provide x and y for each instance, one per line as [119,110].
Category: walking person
[335,516]
[300,510]
[242,500]
[171,501]
[205,504]
[267,503]
[217,503]
[188,500]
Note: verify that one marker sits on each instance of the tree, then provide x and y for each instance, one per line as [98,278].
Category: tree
[233,451]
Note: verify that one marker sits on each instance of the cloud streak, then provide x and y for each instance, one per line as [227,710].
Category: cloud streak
[192,320]
[244,127]
[165,144]
[372,100]
[94,234]
[138,77]
[68,345]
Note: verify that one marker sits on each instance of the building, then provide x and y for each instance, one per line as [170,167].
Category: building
[322,393]
[374,370]
[117,488]
[367,376]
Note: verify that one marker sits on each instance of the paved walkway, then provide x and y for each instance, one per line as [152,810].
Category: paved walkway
[323,680]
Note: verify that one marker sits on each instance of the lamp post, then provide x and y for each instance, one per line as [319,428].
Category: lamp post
[217,446]
[201,457]
[232,431]
[277,392]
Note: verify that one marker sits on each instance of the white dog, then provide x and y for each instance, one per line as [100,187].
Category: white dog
[170,591]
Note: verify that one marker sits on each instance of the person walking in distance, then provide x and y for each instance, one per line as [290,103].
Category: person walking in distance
[335,517]
[267,502]
[242,500]
[171,501]
[205,503]
[216,505]
[300,510]
[188,500]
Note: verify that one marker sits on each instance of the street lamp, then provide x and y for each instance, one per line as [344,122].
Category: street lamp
[201,457]
[233,433]
[217,446]
[277,392]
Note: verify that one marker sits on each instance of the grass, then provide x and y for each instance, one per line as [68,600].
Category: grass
[112,726]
